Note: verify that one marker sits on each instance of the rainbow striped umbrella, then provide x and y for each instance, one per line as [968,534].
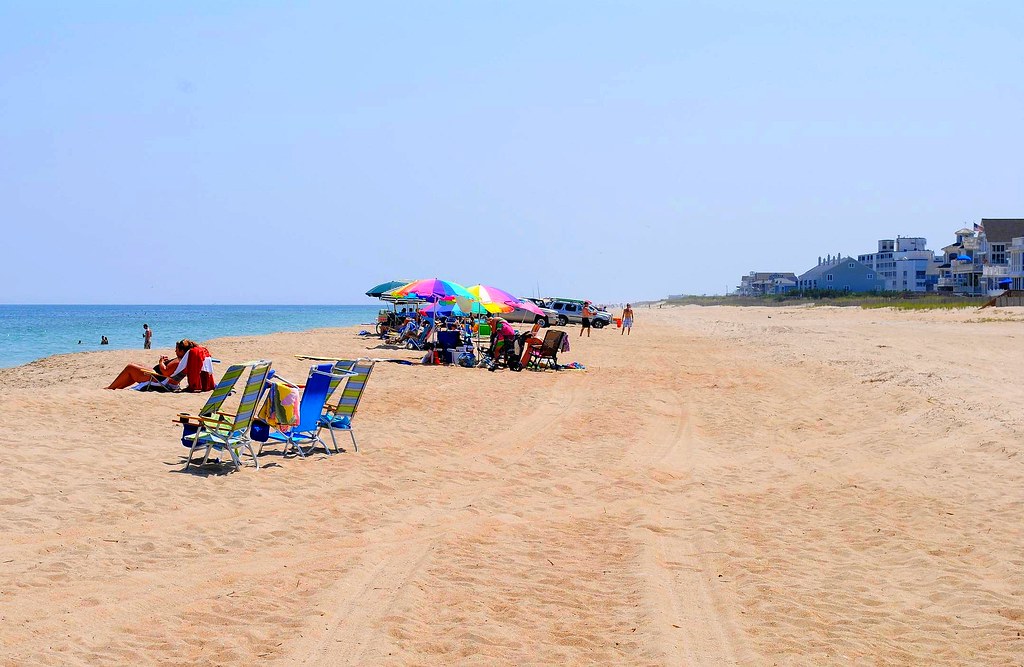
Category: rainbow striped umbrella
[494,300]
[433,289]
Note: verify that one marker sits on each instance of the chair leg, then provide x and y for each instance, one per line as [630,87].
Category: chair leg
[354,443]
[334,440]
[252,453]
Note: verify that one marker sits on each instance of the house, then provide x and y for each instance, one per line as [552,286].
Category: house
[759,283]
[905,264]
[981,260]
[844,274]
[1003,247]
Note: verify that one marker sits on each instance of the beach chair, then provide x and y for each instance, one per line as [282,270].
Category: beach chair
[214,402]
[420,342]
[339,413]
[223,431]
[548,350]
[311,408]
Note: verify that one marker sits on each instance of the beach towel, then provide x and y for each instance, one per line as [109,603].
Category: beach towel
[281,407]
[565,344]
[198,369]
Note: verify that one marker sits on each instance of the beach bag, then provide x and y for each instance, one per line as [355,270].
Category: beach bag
[467,360]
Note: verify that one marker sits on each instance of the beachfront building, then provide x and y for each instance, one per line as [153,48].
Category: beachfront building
[961,269]
[759,283]
[981,260]
[1003,247]
[844,274]
[905,264]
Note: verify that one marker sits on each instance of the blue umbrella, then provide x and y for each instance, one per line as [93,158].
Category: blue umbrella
[1006,281]
[965,258]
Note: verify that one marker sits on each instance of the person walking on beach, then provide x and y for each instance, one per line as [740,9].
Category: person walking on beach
[585,323]
[147,337]
[627,320]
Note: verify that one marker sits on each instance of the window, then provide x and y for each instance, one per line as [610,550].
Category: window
[871,276]
[828,277]
[851,265]
[999,253]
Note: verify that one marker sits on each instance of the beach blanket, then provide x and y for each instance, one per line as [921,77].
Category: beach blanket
[281,407]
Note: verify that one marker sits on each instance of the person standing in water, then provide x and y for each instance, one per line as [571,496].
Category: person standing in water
[147,337]
[627,320]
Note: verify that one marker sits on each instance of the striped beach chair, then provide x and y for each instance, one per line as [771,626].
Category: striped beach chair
[224,432]
[338,414]
[216,400]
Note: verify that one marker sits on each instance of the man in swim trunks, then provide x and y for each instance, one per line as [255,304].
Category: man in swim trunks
[627,319]
[587,314]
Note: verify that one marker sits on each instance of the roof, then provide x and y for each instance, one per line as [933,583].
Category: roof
[828,267]
[1002,230]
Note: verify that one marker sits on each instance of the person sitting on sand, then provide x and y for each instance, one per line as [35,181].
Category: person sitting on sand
[407,331]
[192,362]
[133,374]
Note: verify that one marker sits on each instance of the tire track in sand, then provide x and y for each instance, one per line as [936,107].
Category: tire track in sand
[369,599]
[695,619]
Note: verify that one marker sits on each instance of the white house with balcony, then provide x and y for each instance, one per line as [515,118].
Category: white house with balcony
[1003,247]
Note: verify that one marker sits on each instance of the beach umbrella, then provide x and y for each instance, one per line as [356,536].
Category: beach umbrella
[442,309]
[433,290]
[1006,281]
[526,304]
[494,300]
[382,289]
[964,258]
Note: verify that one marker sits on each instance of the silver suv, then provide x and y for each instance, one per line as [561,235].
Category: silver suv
[523,315]
[571,310]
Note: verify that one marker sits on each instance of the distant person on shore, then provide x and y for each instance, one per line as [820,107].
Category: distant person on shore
[585,323]
[104,341]
[627,320]
[147,337]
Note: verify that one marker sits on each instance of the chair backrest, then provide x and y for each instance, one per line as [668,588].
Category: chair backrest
[339,373]
[222,390]
[552,343]
[447,340]
[315,393]
[425,334]
[348,399]
[254,388]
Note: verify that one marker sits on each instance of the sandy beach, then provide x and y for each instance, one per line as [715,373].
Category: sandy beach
[727,486]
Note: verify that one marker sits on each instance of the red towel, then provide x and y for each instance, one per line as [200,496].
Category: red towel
[198,379]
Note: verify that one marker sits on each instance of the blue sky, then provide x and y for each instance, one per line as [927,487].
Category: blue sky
[610,150]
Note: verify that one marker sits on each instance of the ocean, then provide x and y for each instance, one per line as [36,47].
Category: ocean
[29,332]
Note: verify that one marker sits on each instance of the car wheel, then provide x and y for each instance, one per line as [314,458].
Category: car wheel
[543,321]
[598,324]
[562,320]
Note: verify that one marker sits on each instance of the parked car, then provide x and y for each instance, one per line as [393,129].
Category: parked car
[571,310]
[529,317]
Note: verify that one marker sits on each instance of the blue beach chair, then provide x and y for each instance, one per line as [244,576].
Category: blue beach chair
[311,406]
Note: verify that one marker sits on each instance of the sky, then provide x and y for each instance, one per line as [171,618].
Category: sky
[301,152]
